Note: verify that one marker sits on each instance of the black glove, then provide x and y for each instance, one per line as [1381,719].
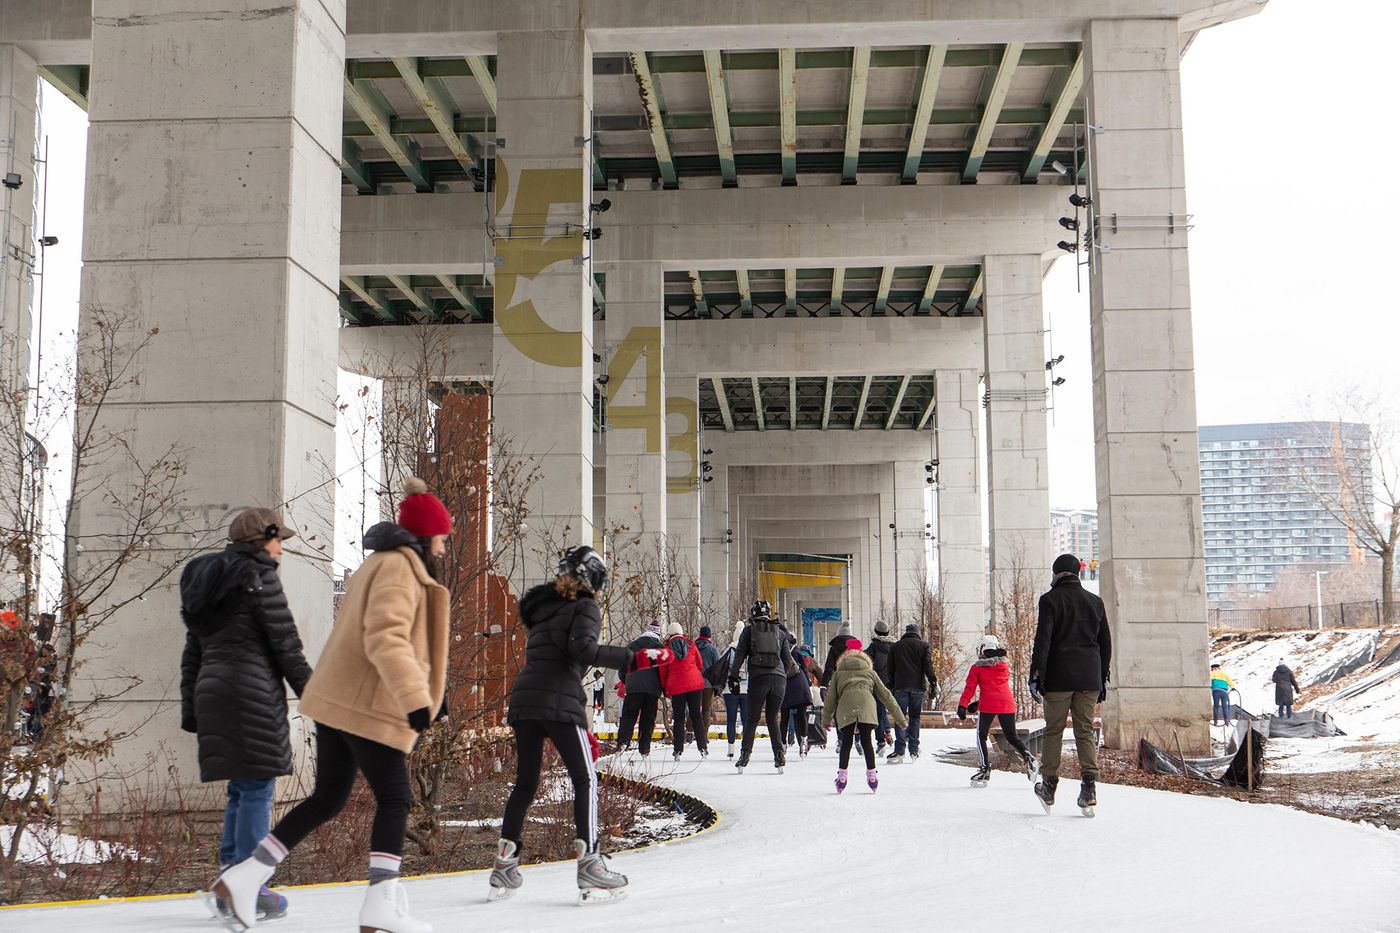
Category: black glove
[1103,695]
[733,686]
[962,712]
[1034,686]
[189,724]
[420,719]
[972,707]
[442,711]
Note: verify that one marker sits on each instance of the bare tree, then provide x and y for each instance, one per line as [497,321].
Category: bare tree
[1014,616]
[931,615]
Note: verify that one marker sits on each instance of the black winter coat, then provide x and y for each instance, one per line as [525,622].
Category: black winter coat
[742,654]
[240,645]
[911,664]
[562,643]
[643,681]
[1072,645]
[799,684]
[879,652]
[1284,685]
[834,649]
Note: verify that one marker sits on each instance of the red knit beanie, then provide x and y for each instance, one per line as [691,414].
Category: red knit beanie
[421,513]
[852,644]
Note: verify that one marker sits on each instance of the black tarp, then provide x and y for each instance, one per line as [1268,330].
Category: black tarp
[1230,770]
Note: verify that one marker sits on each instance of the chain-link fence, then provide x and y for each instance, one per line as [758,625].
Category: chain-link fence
[1363,614]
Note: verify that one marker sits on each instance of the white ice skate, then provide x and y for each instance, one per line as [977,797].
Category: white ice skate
[238,887]
[386,910]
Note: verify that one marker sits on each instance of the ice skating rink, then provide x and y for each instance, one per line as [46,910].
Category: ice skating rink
[926,851]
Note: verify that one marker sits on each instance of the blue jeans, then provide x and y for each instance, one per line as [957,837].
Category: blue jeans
[247,818]
[1285,711]
[1220,703]
[734,704]
[882,716]
[910,703]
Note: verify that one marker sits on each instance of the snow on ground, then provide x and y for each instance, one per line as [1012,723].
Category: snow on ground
[1311,655]
[40,844]
[789,854]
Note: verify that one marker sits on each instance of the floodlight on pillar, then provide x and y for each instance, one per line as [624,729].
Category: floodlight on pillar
[1079,200]
[48,241]
[12,180]
[1058,381]
[1069,223]
[1059,166]
[602,207]
[1068,246]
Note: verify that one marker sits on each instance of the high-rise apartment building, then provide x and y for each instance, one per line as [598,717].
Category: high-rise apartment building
[1075,531]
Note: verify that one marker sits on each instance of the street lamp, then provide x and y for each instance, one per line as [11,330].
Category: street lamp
[1320,575]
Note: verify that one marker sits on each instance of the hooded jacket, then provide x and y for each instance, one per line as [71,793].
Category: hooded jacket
[709,654]
[990,677]
[643,675]
[1072,645]
[387,654]
[562,644]
[799,682]
[879,652]
[853,692]
[240,646]
[681,672]
[834,649]
[1284,685]
[911,664]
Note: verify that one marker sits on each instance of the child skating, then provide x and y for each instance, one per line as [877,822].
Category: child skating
[990,677]
[850,701]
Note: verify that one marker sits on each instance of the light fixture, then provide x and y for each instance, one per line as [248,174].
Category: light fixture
[12,180]
[597,358]
[1068,246]
[1069,223]
[1058,381]
[595,233]
[705,467]
[707,451]
[1079,200]
[603,379]
[48,241]
[1051,364]
[1059,166]
[602,207]
[708,479]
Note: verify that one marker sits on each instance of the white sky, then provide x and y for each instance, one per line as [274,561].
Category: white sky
[1280,112]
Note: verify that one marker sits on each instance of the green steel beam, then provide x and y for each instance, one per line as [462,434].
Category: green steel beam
[838,284]
[370,104]
[347,310]
[745,296]
[70,80]
[790,288]
[437,104]
[1073,82]
[758,404]
[352,166]
[923,111]
[651,102]
[855,112]
[723,400]
[698,291]
[484,80]
[860,406]
[991,111]
[374,299]
[719,114]
[882,291]
[898,401]
[787,99]
[405,288]
[792,403]
[931,289]
[974,294]
[600,298]
[928,413]
[826,403]
[460,295]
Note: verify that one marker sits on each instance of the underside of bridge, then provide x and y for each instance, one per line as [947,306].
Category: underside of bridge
[763,301]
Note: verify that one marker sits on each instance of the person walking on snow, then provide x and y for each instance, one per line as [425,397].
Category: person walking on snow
[911,666]
[1220,687]
[1069,673]
[546,701]
[1285,686]
[684,683]
[598,687]
[850,703]
[643,690]
[709,656]
[990,679]
[764,648]
[736,700]
[879,652]
[377,687]
[241,644]
[834,649]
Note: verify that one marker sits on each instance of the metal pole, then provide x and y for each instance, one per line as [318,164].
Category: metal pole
[1318,574]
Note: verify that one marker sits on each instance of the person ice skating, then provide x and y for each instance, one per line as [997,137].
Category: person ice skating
[643,684]
[1069,673]
[684,683]
[598,688]
[797,701]
[1220,687]
[709,658]
[546,701]
[1285,687]
[911,667]
[736,697]
[989,678]
[850,703]
[241,646]
[879,652]
[380,681]
[834,649]
[763,648]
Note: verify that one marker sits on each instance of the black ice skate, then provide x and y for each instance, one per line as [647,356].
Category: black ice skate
[1088,799]
[982,777]
[1045,792]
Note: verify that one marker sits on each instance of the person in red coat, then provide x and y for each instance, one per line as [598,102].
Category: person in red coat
[684,682]
[990,677]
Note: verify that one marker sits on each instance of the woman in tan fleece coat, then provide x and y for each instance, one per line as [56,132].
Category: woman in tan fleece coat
[376,687]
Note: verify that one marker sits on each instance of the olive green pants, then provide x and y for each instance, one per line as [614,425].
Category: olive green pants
[1079,705]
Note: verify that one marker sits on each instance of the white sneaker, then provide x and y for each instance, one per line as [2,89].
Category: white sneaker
[386,910]
[238,888]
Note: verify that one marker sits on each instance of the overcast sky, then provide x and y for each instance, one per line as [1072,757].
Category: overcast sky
[1295,226]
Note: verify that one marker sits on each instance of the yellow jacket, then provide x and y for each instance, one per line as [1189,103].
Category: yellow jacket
[1219,680]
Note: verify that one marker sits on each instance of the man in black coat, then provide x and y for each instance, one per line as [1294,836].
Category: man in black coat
[911,666]
[1069,669]
[241,645]
[767,650]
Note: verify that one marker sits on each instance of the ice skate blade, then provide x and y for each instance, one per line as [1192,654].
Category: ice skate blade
[211,904]
[228,917]
[980,784]
[1044,806]
[1087,811]
[590,896]
[500,894]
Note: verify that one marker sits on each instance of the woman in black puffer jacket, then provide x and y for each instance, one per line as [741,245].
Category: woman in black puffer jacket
[547,701]
[241,645]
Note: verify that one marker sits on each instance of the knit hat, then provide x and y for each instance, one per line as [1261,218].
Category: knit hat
[882,628]
[1066,563]
[674,629]
[852,644]
[844,630]
[421,513]
[911,629]
[654,626]
[705,631]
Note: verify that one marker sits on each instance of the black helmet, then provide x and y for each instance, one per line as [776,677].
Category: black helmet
[761,609]
[586,564]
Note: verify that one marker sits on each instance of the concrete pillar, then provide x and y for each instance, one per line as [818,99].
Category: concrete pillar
[1018,477]
[543,348]
[684,481]
[19,108]
[1153,569]
[213,215]
[962,579]
[910,535]
[635,439]
[716,541]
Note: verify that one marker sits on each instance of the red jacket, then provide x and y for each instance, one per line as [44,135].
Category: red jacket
[681,672]
[992,677]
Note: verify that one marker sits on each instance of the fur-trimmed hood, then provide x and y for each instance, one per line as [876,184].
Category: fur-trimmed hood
[990,658]
[854,660]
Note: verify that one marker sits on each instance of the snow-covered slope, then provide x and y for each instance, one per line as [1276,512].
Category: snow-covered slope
[927,851]
[1315,657]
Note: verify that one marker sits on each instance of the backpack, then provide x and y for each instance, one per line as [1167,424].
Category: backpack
[764,647]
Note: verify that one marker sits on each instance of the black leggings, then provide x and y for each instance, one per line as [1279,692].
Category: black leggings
[338,756]
[632,705]
[848,734]
[1008,729]
[765,702]
[681,704]
[571,742]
